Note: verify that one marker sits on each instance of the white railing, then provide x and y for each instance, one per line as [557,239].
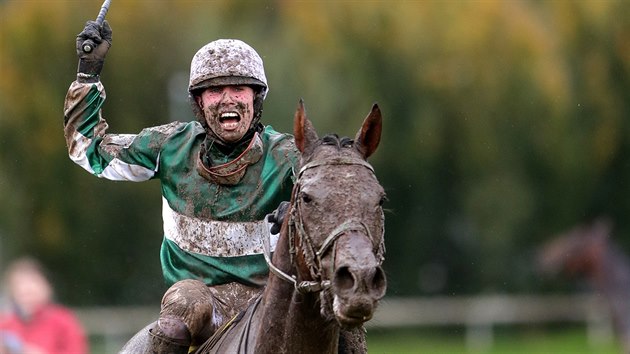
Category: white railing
[477,314]
[480,314]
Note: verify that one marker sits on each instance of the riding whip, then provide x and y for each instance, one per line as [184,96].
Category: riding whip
[89,45]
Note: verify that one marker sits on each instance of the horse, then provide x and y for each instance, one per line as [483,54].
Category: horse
[325,273]
[586,251]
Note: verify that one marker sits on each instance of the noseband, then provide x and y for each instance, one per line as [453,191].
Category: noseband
[314,257]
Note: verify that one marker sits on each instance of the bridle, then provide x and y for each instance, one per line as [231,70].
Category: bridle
[314,256]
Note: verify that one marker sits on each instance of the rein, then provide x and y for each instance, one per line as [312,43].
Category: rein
[298,229]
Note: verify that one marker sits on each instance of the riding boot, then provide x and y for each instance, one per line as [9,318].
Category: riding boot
[169,336]
[352,341]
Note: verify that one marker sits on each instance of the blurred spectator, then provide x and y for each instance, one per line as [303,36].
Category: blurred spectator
[34,324]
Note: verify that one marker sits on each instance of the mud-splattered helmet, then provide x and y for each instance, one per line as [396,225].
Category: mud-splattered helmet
[227,62]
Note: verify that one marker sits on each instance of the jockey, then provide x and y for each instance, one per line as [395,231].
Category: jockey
[220,176]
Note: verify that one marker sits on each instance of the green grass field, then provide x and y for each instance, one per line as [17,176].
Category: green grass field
[536,340]
[558,340]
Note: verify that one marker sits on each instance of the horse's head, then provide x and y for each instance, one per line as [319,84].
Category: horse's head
[577,251]
[338,219]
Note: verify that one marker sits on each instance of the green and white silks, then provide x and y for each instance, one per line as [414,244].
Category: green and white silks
[212,232]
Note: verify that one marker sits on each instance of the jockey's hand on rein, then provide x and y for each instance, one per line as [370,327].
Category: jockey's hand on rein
[277,217]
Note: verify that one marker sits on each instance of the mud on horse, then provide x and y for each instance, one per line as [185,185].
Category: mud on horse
[326,269]
[586,251]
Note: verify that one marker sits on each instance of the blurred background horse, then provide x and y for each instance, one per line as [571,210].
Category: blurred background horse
[587,252]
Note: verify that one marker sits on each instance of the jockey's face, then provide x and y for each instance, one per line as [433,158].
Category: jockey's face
[228,110]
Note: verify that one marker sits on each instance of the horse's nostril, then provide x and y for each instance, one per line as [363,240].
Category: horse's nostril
[379,283]
[343,280]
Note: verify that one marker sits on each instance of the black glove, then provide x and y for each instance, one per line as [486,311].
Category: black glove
[91,64]
[277,217]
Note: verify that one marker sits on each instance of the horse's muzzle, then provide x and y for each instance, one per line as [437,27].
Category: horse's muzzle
[358,282]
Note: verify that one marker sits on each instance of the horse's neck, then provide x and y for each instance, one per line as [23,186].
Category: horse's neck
[315,334]
[291,322]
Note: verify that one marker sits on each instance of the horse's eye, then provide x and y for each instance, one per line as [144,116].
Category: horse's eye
[306,198]
[382,201]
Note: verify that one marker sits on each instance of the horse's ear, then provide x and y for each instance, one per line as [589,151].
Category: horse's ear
[369,135]
[305,134]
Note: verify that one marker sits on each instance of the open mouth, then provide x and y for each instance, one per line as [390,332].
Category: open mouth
[229,120]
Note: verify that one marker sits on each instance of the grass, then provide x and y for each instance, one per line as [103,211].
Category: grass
[565,339]
[558,340]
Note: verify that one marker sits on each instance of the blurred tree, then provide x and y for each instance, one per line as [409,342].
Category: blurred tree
[504,122]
